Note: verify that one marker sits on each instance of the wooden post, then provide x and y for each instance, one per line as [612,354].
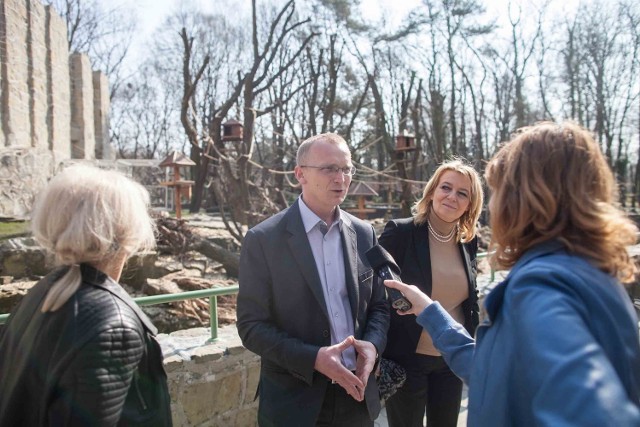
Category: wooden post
[177,201]
[180,187]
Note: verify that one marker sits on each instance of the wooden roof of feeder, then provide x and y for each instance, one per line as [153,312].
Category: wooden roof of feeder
[232,122]
[361,189]
[176,158]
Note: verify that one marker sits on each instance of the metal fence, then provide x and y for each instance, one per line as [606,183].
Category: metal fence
[212,294]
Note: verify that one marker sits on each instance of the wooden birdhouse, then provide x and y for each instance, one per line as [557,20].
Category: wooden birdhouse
[182,188]
[361,190]
[405,142]
[232,130]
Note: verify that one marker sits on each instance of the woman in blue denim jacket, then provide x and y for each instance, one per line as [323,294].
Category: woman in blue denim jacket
[559,342]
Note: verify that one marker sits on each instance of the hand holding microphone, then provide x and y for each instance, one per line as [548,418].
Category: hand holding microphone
[386,268]
[418,299]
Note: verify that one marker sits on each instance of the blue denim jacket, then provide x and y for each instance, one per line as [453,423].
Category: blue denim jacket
[559,346]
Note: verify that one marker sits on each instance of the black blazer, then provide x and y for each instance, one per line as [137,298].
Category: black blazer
[282,314]
[408,243]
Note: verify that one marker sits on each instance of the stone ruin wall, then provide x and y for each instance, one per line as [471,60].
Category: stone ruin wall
[53,106]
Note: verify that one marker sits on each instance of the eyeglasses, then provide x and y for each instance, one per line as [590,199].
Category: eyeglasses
[333,170]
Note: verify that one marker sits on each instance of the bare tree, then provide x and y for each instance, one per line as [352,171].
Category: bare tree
[632,19]
[145,113]
[103,33]
[436,75]
[522,48]
[601,74]
[241,202]
[190,119]
[460,21]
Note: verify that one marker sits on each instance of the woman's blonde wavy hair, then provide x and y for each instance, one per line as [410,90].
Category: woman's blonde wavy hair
[469,220]
[89,215]
[551,181]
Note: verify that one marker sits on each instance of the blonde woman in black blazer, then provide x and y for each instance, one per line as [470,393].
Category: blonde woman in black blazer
[436,251]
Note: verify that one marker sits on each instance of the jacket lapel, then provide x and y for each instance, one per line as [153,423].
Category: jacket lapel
[467,269]
[301,251]
[421,242]
[350,252]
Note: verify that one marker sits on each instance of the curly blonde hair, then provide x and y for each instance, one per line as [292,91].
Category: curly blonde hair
[469,220]
[551,181]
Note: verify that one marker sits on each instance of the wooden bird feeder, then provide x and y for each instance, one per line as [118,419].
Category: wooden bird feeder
[181,187]
[361,190]
[232,130]
[405,142]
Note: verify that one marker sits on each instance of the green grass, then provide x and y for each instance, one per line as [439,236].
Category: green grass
[14,229]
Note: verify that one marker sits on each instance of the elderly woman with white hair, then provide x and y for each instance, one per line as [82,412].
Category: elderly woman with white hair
[77,350]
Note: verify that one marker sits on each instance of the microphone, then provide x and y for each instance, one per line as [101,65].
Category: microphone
[386,268]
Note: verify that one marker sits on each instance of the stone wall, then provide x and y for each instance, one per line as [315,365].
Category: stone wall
[211,384]
[22,171]
[83,139]
[58,86]
[47,100]
[103,149]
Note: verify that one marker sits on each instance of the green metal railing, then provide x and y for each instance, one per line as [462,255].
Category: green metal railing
[486,255]
[212,294]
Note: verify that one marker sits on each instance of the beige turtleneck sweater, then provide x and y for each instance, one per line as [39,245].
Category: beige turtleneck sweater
[449,286]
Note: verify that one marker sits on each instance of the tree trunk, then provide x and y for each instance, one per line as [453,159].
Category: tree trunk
[230,260]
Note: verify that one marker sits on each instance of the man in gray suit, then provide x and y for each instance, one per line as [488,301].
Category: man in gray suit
[309,303]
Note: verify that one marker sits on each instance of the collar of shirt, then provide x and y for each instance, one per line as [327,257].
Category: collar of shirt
[311,220]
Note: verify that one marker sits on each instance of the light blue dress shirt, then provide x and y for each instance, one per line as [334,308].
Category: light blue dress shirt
[326,244]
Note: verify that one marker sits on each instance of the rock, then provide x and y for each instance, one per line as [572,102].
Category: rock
[138,268]
[12,293]
[23,257]
[166,265]
[160,287]
[195,283]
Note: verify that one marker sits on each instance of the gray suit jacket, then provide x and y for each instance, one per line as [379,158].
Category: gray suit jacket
[282,315]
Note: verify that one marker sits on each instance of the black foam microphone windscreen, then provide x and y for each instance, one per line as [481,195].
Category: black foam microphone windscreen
[386,268]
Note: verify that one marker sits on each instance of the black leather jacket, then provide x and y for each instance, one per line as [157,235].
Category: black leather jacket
[93,362]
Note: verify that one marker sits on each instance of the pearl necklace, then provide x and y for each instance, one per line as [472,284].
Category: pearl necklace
[442,238]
